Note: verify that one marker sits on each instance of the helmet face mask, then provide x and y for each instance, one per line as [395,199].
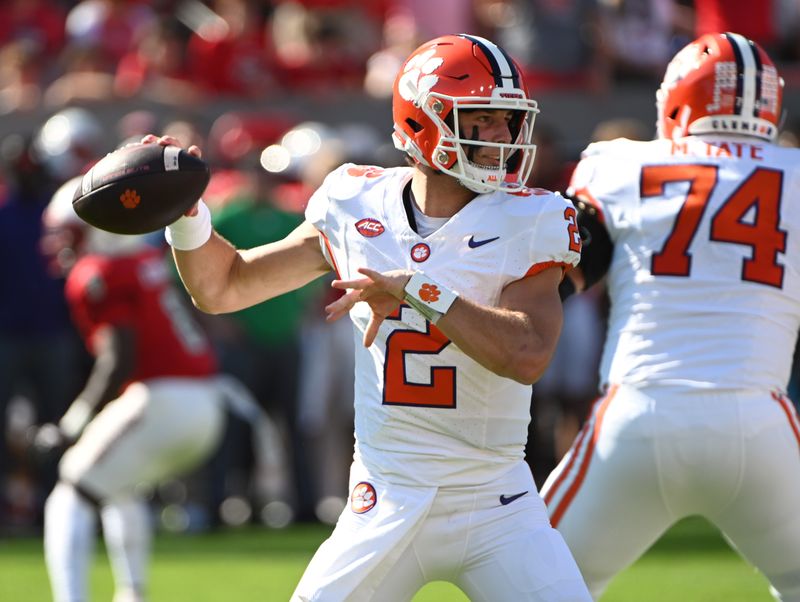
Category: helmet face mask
[720,83]
[448,76]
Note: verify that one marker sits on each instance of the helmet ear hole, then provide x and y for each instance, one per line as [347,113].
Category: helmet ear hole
[674,113]
[416,126]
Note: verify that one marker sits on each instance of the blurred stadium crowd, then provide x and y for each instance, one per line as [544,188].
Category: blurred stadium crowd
[164,67]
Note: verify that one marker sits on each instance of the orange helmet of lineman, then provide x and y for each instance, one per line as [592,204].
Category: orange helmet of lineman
[720,83]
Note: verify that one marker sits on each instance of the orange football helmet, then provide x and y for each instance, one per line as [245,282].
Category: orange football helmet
[463,72]
[720,83]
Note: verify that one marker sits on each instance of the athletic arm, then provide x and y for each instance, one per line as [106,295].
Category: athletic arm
[516,339]
[114,348]
[223,279]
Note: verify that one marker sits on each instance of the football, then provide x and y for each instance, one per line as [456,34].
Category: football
[140,188]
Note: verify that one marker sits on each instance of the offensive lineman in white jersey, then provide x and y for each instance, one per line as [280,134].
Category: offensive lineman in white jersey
[452,269]
[700,232]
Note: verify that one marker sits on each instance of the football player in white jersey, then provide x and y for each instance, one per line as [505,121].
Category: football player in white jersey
[452,268]
[700,232]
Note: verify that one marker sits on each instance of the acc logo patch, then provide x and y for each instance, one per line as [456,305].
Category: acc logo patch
[420,252]
[369,227]
[363,498]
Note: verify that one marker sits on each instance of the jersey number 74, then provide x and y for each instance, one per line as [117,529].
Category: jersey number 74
[760,191]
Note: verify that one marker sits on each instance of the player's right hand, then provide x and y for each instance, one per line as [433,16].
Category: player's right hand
[172,141]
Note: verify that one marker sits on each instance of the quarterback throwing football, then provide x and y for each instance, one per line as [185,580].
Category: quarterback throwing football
[452,268]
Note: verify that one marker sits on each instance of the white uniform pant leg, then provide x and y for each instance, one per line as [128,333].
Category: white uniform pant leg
[127,531]
[365,547]
[154,430]
[604,497]
[763,520]
[69,535]
[494,552]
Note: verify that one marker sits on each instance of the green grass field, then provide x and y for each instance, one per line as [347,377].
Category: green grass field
[691,563]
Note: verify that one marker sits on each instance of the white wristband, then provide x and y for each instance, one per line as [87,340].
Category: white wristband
[428,297]
[188,233]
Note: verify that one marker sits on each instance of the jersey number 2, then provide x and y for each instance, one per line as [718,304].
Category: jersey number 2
[761,192]
[397,389]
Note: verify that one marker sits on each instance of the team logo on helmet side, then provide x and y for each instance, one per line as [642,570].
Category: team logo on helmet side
[680,66]
[363,498]
[418,78]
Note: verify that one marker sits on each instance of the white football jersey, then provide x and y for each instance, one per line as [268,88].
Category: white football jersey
[704,282]
[425,412]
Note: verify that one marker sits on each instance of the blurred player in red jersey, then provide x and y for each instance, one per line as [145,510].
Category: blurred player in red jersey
[155,371]
[699,231]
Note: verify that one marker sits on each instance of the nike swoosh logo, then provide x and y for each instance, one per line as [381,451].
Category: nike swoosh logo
[474,244]
[507,499]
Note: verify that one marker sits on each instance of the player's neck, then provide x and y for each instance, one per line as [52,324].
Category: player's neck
[438,195]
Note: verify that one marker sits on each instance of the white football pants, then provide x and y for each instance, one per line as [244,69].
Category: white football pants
[647,458]
[494,552]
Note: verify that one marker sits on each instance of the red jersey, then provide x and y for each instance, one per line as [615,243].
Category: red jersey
[135,291]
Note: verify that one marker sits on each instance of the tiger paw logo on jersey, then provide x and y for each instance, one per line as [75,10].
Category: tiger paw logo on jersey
[420,252]
[368,171]
[363,498]
[130,199]
[429,293]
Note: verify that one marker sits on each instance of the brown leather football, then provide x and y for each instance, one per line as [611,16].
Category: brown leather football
[140,188]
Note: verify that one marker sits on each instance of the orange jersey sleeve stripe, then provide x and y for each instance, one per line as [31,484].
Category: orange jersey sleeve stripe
[330,254]
[565,502]
[540,267]
[791,414]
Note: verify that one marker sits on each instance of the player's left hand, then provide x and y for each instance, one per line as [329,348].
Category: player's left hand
[382,291]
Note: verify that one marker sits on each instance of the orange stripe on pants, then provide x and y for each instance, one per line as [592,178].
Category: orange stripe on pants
[562,506]
[791,414]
